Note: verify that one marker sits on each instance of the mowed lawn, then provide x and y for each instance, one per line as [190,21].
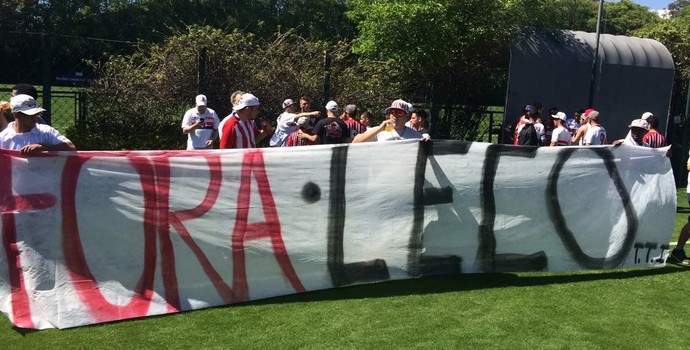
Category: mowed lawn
[622,309]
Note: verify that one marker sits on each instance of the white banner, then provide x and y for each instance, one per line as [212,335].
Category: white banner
[93,237]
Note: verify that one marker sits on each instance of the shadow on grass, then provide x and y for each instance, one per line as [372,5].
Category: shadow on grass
[429,285]
[461,282]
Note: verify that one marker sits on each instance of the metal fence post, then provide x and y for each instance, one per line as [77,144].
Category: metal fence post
[327,77]
[47,77]
[201,76]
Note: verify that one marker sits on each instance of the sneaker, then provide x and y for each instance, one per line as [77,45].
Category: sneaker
[678,256]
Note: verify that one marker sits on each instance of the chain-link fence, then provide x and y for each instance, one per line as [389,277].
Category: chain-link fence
[62,69]
[67,106]
[58,66]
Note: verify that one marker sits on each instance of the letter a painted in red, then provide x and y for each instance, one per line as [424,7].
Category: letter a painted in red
[253,163]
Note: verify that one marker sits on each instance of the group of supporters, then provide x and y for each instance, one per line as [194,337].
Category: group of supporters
[298,125]
[583,129]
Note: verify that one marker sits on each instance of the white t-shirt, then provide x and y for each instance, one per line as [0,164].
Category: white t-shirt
[41,133]
[198,137]
[405,134]
[286,125]
[595,135]
[561,136]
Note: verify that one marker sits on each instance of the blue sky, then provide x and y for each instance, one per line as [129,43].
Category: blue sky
[652,4]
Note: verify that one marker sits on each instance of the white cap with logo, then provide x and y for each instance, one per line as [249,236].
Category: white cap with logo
[287,103]
[200,100]
[332,106]
[25,104]
[247,100]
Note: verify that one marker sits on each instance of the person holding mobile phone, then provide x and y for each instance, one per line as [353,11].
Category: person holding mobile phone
[200,124]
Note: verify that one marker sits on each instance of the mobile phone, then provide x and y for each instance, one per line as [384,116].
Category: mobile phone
[201,120]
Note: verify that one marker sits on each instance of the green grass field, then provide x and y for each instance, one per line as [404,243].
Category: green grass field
[621,309]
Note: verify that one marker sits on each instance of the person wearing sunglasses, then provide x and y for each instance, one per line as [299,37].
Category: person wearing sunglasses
[393,127]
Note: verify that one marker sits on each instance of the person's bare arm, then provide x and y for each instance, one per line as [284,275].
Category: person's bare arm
[263,133]
[3,120]
[371,133]
[37,147]
[578,134]
[303,135]
[307,114]
[190,128]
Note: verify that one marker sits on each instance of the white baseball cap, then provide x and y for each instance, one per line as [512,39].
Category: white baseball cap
[639,123]
[287,103]
[247,100]
[200,100]
[332,106]
[646,115]
[303,121]
[25,104]
[559,115]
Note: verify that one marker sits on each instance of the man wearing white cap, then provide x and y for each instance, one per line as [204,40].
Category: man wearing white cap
[25,135]
[638,128]
[293,139]
[286,123]
[653,137]
[240,131]
[560,135]
[330,130]
[200,124]
[235,100]
[393,128]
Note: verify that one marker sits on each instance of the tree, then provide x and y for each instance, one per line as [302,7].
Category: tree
[673,33]
[678,6]
[161,80]
[454,51]
[624,17]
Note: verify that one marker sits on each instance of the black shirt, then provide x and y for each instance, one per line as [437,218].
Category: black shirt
[331,130]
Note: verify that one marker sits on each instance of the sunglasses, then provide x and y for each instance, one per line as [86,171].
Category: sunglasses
[397,112]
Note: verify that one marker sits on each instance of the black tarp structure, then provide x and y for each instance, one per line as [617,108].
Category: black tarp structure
[632,76]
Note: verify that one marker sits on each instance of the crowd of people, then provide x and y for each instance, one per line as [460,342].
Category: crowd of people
[583,129]
[298,124]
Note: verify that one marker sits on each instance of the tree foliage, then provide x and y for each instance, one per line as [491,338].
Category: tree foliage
[674,33]
[624,17]
[449,53]
[678,6]
[151,89]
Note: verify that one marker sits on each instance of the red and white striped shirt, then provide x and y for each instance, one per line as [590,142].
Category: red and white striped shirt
[238,133]
[654,139]
[294,140]
[356,127]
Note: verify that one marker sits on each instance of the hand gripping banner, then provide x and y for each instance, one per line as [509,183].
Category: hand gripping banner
[91,237]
